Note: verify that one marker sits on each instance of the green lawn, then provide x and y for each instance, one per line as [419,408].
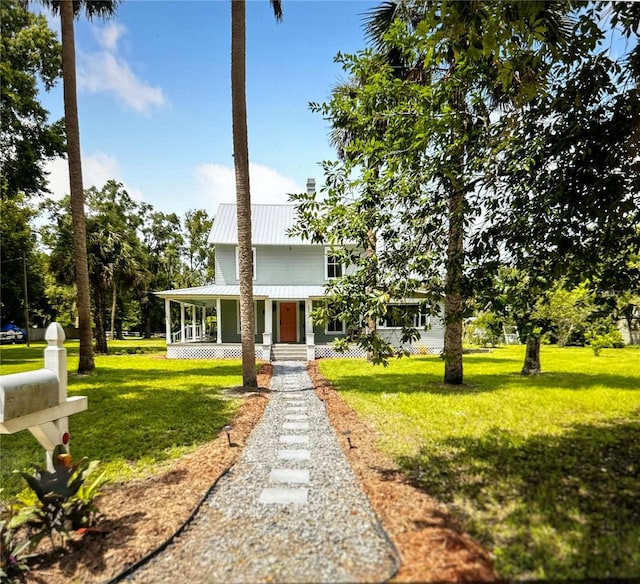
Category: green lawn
[144,410]
[544,471]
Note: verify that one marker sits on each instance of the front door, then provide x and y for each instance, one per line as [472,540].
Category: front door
[288,322]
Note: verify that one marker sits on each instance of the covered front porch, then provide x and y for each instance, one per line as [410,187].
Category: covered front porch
[207,322]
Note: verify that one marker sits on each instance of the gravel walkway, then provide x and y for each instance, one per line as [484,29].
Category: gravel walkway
[289,511]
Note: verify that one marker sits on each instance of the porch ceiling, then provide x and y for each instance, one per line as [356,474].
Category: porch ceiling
[204,293]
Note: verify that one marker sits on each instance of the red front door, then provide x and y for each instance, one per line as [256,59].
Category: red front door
[288,322]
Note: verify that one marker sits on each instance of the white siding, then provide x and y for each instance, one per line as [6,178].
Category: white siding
[277,265]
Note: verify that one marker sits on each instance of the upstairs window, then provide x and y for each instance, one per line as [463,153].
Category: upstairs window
[333,266]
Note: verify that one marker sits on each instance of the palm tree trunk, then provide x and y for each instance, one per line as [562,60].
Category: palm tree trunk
[86,363]
[453,291]
[113,310]
[243,196]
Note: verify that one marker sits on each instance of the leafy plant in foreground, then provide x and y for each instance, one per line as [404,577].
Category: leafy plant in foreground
[15,548]
[65,502]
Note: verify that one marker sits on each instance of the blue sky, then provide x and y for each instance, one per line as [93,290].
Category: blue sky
[155,100]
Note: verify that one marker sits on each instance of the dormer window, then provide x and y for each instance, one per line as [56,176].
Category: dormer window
[333,266]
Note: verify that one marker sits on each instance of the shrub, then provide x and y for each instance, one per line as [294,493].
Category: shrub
[64,501]
[599,340]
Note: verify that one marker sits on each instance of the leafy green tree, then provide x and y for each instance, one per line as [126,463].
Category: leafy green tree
[420,111]
[567,310]
[566,172]
[115,252]
[30,52]
[200,255]
[163,242]
[19,254]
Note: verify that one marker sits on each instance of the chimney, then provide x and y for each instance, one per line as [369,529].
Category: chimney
[311,186]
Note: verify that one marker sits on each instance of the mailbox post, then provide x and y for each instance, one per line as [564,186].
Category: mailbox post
[37,400]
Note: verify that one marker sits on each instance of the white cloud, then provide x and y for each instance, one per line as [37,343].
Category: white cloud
[105,71]
[218,185]
[109,35]
[97,169]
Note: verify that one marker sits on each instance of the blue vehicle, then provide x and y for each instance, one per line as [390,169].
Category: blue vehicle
[11,334]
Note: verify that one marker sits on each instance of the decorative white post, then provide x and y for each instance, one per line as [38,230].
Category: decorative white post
[182,335]
[218,321]
[167,320]
[267,335]
[308,327]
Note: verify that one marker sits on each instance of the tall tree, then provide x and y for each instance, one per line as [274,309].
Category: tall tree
[30,51]
[566,171]
[68,10]
[243,191]
[421,109]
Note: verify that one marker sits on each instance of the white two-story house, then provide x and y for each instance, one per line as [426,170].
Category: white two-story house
[288,280]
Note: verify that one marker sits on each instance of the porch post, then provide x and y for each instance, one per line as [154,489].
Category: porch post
[203,322]
[193,323]
[167,320]
[308,327]
[182,322]
[218,321]
[267,335]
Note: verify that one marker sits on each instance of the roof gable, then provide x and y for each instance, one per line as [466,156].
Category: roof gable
[269,225]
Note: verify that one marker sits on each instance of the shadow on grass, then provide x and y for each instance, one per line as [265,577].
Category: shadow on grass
[408,383]
[547,506]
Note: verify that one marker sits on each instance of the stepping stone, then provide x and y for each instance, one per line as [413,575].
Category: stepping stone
[295,425]
[289,475]
[296,417]
[282,496]
[294,439]
[294,454]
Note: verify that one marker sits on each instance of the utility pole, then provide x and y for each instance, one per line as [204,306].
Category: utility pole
[26,296]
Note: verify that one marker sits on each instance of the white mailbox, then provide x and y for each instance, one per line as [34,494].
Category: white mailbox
[22,394]
[37,400]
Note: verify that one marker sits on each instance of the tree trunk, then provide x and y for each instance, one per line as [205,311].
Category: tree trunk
[453,291]
[113,311]
[86,362]
[532,356]
[243,196]
[100,302]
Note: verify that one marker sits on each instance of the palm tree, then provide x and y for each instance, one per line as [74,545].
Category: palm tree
[68,10]
[243,193]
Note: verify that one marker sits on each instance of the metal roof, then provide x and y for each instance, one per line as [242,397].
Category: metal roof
[259,292]
[269,225]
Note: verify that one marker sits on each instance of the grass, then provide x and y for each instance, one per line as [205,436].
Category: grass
[544,471]
[144,410]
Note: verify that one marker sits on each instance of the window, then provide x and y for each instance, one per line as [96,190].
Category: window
[335,327]
[333,266]
[407,315]
[253,249]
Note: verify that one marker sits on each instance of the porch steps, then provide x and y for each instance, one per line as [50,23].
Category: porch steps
[285,352]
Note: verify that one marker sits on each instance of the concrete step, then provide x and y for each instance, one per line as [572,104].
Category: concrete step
[282,352]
